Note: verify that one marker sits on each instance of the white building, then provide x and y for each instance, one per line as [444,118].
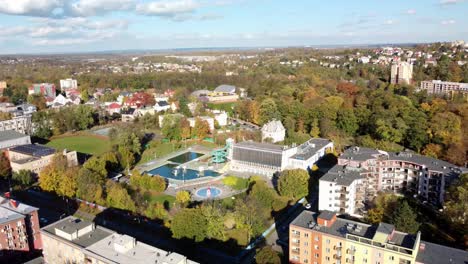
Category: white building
[401,73]
[20,124]
[208,119]
[162,106]
[268,159]
[341,191]
[440,87]
[221,117]
[364,59]
[68,84]
[11,138]
[273,130]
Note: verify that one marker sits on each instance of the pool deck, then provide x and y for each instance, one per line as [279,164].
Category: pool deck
[194,186]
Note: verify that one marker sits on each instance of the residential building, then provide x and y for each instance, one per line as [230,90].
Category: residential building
[113,108]
[68,84]
[21,124]
[273,131]
[221,117]
[11,138]
[35,157]
[72,240]
[363,172]
[401,73]
[19,226]
[209,120]
[444,88]
[325,238]
[7,107]
[46,89]
[162,106]
[128,114]
[269,159]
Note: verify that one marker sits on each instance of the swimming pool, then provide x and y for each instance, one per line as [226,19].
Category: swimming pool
[185,157]
[173,171]
[208,192]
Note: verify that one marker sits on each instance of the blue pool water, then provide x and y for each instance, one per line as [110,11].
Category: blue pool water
[212,193]
[185,157]
[169,171]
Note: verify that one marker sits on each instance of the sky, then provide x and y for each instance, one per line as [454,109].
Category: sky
[54,26]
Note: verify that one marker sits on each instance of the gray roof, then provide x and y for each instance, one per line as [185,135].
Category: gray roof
[360,153]
[21,208]
[342,175]
[341,227]
[163,103]
[435,254]
[71,224]
[260,146]
[327,215]
[7,215]
[38,260]
[385,228]
[224,88]
[34,150]
[199,93]
[10,135]
[310,148]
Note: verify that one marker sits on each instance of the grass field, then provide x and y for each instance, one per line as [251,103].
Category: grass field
[82,143]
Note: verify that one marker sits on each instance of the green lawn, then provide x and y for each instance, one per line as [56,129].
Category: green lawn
[81,143]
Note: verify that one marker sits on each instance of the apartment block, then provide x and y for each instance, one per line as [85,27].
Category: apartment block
[363,172]
[68,84]
[21,124]
[324,238]
[401,73]
[72,240]
[444,88]
[19,228]
[46,89]
[11,138]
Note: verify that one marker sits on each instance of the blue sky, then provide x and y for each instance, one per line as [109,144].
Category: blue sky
[37,26]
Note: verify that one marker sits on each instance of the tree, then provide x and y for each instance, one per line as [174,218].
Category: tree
[23,177]
[98,166]
[156,211]
[268,111]
[315,129]
[404,219]
[457,201]
[294,184]
[184,128]
[118,197]
[183,198]
[432,150]
[201,128]
[5,169]
[346,121]
[67,186]
[189,223]
[51,175]
[446,128]
[38,100]
[214,221]
[266,255]
[88,186]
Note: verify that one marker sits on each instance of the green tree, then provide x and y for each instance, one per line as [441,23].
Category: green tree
[346,121]
[457,201]
[156,211]
[315,129]
[98,166]
[294,184]
[201,129]
[23,177]
[183,198]
[268,111]
[67,186]
[404,219]
[266,255]
[189,223]
[118,197]
[89,187]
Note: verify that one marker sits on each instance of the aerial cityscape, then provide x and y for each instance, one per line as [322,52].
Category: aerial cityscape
[233,131]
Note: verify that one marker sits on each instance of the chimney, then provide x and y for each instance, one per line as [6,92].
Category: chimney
[7,195]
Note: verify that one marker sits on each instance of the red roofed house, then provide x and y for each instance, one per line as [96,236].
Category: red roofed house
[113,108]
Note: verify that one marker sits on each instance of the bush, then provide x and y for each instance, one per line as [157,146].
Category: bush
[236,183]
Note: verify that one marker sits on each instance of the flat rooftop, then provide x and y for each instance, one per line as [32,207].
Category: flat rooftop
[435,254]
[341,227]
[306,150]
[72,224]
[10,135]
[342,175]
[34,150]
[260,146]
[21,208]
[7,215]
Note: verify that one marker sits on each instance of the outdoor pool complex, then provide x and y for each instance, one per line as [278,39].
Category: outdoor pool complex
[174,169]
[208,192]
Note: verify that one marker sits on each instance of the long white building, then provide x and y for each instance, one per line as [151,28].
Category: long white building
[68,84]
[268,159]
[440,87]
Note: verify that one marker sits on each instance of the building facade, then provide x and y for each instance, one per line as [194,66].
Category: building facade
[21,124]
[324,238]
[35,157]
[274,131]
[72,240]
[19,228]
[268,159]
[444,88]
[68,84]
[401,73]
[369,171]
[46,89]
[11,138]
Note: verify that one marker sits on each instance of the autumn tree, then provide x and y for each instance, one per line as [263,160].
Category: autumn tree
[201,129]
[23,177]
[294,183]
[183,198]
[5,169]
[266,255]
[189,223]
[118,197]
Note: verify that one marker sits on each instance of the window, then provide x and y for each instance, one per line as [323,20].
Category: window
[364,260]
[365,251]
[306,261]
[306,244]
[328,250]
[327,258]
[306,252]
[316,255]
[380,255]
[391,258]
[316,247]
[328,241]
[306,235]
[316,238]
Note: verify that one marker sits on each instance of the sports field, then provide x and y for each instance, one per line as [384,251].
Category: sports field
[82,143]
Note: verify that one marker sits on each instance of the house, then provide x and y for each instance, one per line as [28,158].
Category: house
[220,117]
[113,108]
[161,106]
[68,84]
[11,138]
[274,131]
[59,101]
[26,109]
[46,89]
[128,114]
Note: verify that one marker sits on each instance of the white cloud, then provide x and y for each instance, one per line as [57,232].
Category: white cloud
[48,31]
[30,7]
[167,8]
[448,22]
[450,2]
[12,31]
[389,22]
[98,7]
[410,12]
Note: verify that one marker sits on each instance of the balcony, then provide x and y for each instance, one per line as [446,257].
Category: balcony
[351,251]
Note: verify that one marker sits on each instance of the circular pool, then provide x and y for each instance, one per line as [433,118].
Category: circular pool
[208,192]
